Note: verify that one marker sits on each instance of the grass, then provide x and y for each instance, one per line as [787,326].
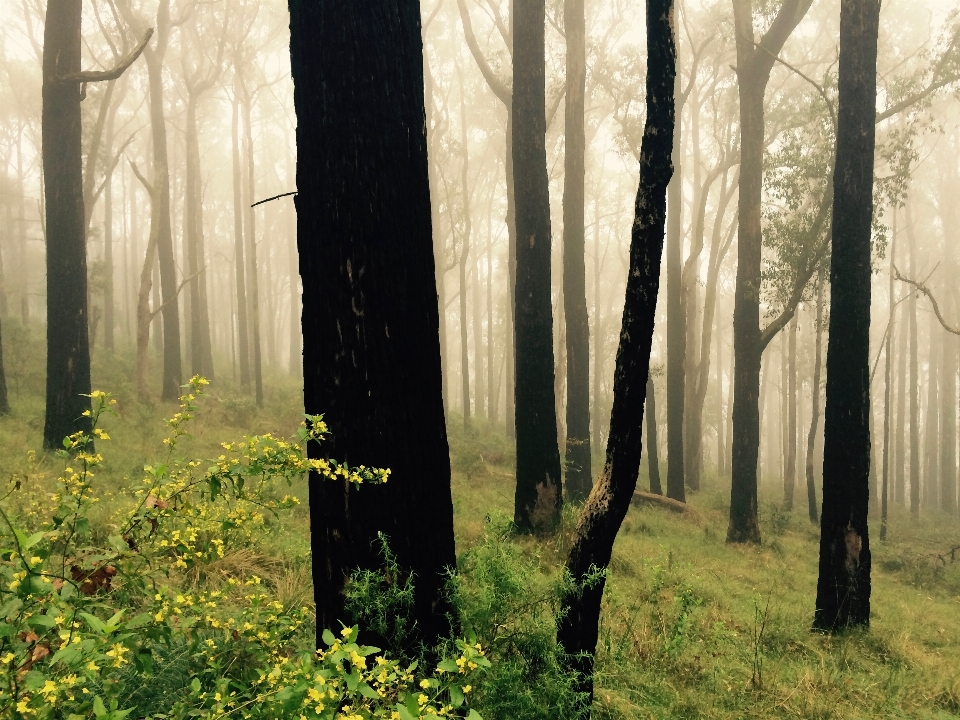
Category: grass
[691,627]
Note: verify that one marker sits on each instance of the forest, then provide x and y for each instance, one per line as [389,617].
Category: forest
[484,359]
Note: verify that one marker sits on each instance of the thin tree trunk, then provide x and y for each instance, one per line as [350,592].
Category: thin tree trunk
[790,474]
[579,473]
[600,520]
[250,228]
[538,492]
[653,461]
[843,587]
[812,511]
[243,344]
[914,380]
[464,254]
[296,355]
[370,319]
[948,416]
[891,310]
[22,232]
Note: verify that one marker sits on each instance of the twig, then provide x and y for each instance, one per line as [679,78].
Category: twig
[919,285]
[275,197]
[90,76]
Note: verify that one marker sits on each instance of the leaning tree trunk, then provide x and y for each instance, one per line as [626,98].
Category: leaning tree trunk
[538,495]
[370,317]
[843,587]
[579,616]
[68,344]
[579,475]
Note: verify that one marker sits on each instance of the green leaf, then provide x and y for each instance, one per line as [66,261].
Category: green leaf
[66,443]
[114,622]
[195,685]
[353,680]
[405,714]
[328,637]
[368,692]
[456,696]
[118,543]
[95,623]
[42,621]
[412,705]
[448,665]
[474,715]
[139,621]
[98,708]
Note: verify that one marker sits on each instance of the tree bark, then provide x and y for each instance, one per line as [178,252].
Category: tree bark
[887,363]
[812,511]
[600,520]
[948,416]
[250,230]
[579,473]
[843,587]
[68,349]
[464,254]
[370,319]
[914,381]
[754,63]
[790,472]
[538,495]
[653,462]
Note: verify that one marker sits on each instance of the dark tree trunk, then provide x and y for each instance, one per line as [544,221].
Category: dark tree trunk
[653,461]
[370,318]
[538,494]
[4,400]
[843,588]
[243,343]
[754,62]
[68,349]
[600,520]
[579,475]
[815,412]
[676,320]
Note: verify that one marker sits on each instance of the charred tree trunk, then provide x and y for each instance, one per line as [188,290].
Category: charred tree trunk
[579,475]
[653,461]
[843,588]
[600,520]
[815,412]
[538,493]
[68,348]
[370,318]
[754,62]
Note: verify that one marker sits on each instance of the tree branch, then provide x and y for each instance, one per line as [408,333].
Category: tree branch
[495,83]
[143,181]
[921,286]
[90,76]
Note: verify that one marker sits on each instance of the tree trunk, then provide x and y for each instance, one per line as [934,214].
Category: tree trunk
[296,355]
[676,321]
[931,463]
[172,370]
[243,343]
[464,254]
[914,381]
[4,400]
[22,233]
[370,319]
[600,520]
[948,416]
[754,62]
[250,228]
[790,473]
[653,461]
[891,310]
[68,350]
[843,587]
[579,473]
[538,493]
[815,412]
[900,434]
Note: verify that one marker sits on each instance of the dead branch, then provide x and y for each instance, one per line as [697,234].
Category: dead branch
[89,76]
[921,286]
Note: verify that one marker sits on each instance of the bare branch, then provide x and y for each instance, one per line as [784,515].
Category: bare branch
[90,76]
[922,287]
[495,83]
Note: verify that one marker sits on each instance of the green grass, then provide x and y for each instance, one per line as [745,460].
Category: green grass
[691,627]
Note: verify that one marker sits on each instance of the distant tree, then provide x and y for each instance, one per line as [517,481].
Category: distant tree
[370,316]
[600,520]
[812,510]
[843,588]
[538,492]
[653,461]
[68,344]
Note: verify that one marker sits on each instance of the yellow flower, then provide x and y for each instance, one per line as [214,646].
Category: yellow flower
[347,632]
[7,658]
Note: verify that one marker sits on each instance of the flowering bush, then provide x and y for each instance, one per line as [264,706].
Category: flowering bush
[99,622]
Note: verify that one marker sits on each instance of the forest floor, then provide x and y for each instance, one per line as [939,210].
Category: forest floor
[691,627]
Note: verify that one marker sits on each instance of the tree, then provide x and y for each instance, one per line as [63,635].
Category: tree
[538,493]
[815,412]
[605,509]
[754,63]
[370,317]
[843,587]
[68,345]
[579,474]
